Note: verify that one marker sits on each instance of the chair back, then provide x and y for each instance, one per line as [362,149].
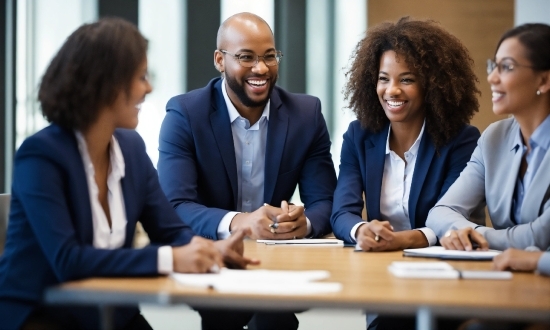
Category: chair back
[4,216]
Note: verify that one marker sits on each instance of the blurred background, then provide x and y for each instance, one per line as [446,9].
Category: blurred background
[317,38]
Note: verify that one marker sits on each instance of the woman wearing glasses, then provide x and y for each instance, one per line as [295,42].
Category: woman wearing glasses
[508,171]
[81,184]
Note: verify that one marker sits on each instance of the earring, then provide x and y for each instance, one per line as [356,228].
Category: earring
[538,92]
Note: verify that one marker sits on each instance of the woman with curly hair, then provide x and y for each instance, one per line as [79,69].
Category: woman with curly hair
[413,89]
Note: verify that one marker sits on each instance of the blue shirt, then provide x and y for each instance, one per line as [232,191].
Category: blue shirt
[540,143]
[249,142]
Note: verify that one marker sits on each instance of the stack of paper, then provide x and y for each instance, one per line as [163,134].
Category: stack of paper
[441,253]
[303,242]
[442,270]
[262,281]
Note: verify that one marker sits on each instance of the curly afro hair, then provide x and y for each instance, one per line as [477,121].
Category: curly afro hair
[441,62]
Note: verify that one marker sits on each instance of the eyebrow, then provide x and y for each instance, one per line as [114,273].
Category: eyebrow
[508,58]
[251,51]
[401,74]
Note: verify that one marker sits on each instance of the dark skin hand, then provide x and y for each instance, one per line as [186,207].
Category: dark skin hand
[290,222]
[232,250]
[388,240]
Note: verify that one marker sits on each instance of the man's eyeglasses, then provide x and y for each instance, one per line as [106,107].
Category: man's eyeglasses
[249,60]
[506,65]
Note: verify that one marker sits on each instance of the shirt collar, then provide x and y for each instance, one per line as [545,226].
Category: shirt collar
[414,148]
[540,137]
[117,164]
[233,113]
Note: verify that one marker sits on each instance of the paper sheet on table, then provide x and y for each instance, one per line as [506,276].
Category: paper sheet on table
[303,242]
[442,270]
[441,253]
[262,281]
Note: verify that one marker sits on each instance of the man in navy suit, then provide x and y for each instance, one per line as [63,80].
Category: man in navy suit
[233,152]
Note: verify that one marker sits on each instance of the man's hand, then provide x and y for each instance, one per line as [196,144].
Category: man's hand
[462,240]
[199,256]
[517,260]
[232,250]
[270,222]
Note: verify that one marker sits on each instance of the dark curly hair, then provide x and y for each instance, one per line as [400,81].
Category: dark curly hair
[96,63]
[441,62]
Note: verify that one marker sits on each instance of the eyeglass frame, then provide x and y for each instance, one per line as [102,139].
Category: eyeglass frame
[492,65]
[278,56]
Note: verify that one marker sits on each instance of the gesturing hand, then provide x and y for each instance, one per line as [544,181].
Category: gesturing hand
[199,256]
[232,250]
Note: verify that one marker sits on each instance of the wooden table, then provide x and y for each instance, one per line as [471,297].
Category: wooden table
[367,285]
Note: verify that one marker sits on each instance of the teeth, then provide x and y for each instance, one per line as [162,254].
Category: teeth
[257,82]
[497,94]
[395,104]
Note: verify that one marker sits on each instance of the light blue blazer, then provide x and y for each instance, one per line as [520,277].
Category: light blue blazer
[490,179]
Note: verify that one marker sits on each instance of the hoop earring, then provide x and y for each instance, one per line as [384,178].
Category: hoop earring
[538,92]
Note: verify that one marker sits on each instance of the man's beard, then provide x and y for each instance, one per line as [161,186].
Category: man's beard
[241,93]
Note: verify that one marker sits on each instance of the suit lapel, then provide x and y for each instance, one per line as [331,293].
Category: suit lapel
[375,157]
[276,138]
[426,152]
[509,184]
[221,127]
[535,195]
[82,201]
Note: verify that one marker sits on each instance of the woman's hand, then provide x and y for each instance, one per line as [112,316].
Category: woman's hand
[375,236]
[199,256]
[462,240]
[388,240]
[517,260]
[232,250]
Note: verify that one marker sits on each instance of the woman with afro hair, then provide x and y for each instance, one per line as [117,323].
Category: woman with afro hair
[413,89]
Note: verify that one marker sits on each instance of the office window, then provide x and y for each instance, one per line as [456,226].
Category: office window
[42,27]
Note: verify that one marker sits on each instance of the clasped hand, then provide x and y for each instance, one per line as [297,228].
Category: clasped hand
[270,222]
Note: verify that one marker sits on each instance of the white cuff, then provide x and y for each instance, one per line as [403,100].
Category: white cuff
[354,230]
[223,227]
[430,235]
[165,260]
[308,227]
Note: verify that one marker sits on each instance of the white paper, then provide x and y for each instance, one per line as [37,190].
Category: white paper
[442,270]
[411,269]
[441,252]
[261,281]
[305,241]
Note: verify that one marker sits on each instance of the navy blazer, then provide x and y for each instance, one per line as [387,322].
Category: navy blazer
[197,166]
[362,168]
[50,232]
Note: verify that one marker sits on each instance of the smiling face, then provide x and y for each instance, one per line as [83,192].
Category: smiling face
[248,88]
[399,90]
[127,105]
[513,88]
